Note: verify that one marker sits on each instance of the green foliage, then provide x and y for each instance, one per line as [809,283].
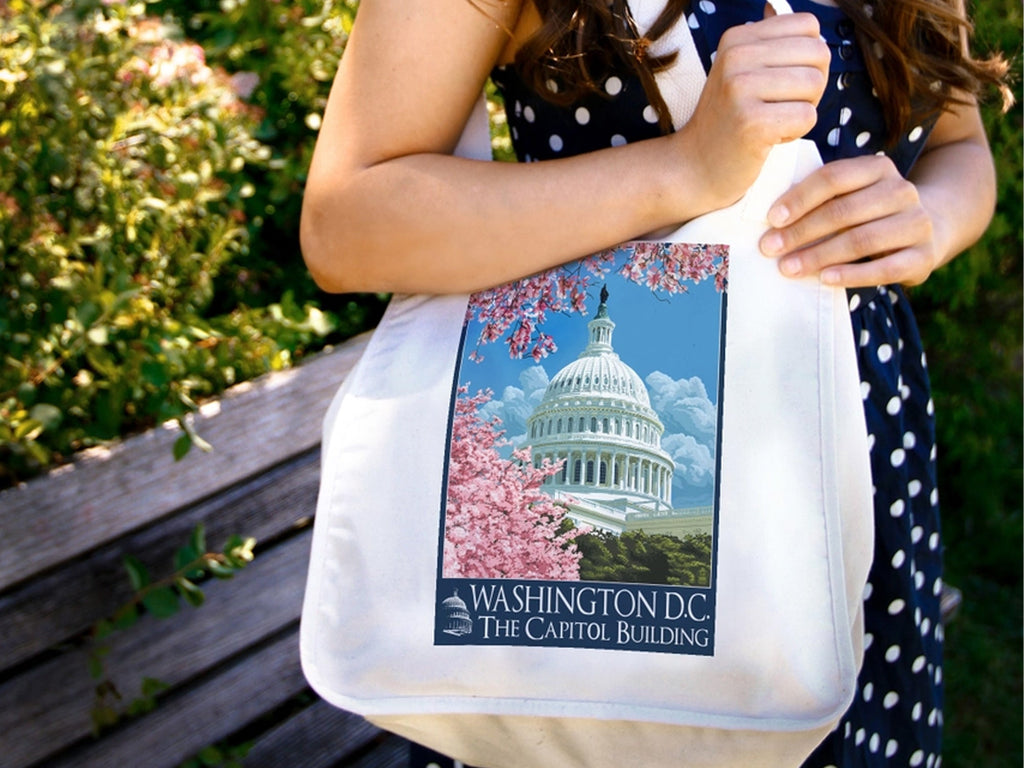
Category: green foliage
[971,320]
[128,171]
[638,557]
[193,564]
[282,56]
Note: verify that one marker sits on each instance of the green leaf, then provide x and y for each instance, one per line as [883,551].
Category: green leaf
[126,616]
[198,540]
[210,756]
[137,573]
[151,686]
[193,595]
[182,446]
[162,602]
[96,667]
[218,569]
[48,415]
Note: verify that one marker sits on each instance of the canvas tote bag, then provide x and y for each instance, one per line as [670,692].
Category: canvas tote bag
[628,397]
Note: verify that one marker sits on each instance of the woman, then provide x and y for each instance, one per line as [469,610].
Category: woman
[888,94]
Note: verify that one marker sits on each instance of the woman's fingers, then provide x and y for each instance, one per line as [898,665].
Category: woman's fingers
[856,222]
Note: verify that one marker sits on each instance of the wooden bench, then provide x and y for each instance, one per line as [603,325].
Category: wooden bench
[231,666]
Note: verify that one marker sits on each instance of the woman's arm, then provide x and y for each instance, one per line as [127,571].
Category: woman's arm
[387,208]
[857,222]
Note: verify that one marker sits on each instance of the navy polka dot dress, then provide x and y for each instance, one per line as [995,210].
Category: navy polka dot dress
[896,717]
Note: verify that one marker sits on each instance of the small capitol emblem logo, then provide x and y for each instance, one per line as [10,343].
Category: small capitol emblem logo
[455,616]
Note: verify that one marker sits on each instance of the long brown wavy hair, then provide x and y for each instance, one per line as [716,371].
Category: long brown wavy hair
[923,67]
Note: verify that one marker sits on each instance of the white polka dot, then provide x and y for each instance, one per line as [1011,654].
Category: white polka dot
[917,758]
[915,134]
[891,700]
[618,140]
[582,115]
[933,541]
[938,761]
[865,335]
[884,353]
[915,713]
[515,133]
[613,86]
[433,765]
[897,508]
[926,627]
[940,633]
[863,138]
[868,692]
[893,406]
[905,392]
[865,390]
[899,559]
[938,675]
[874,742]
[897,457]
[693,22]
[858,739]
[528,113]
[937,587]
[892,653]
[650,114]
[933,717]
[555,142]
[869,589]
[847,729]
[891,747]
[916,667]
[930,408]
[896,606]
[833,137]
[914,488]
[868,640]
[518,108]
[919,579]
[844,115]
[551,85]
[931,761]
[917,617]
[933,452]
[871,442]
[916,533]
[707,6]
[909,440]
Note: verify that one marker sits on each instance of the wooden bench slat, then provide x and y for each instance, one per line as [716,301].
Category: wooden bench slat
[183,725]
[392,752]
[321,733]
[40,613]
[95,499]
[54,698]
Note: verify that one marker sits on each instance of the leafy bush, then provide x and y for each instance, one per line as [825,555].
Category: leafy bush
[971,320]
[126,169]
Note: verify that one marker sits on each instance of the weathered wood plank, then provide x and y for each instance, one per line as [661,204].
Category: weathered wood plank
[38,614]
[392,752]
[54,698]
[321,734]
[203,715]
[112,491]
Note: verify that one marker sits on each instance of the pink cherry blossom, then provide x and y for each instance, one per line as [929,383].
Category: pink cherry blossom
[517,311]
[498,521]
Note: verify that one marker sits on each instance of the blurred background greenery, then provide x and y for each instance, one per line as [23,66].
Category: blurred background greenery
[152,161]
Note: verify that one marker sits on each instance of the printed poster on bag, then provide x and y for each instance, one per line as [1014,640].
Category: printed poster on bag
[580,502]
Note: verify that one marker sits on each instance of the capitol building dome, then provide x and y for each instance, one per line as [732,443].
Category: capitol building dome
[596,417]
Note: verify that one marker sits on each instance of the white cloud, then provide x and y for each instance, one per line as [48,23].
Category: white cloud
[515,404]
[690,419]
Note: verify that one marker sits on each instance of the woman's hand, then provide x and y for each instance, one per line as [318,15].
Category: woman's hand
[856,222]
[763,89]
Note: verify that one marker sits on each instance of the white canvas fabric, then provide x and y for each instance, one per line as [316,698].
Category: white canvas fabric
[792,546]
